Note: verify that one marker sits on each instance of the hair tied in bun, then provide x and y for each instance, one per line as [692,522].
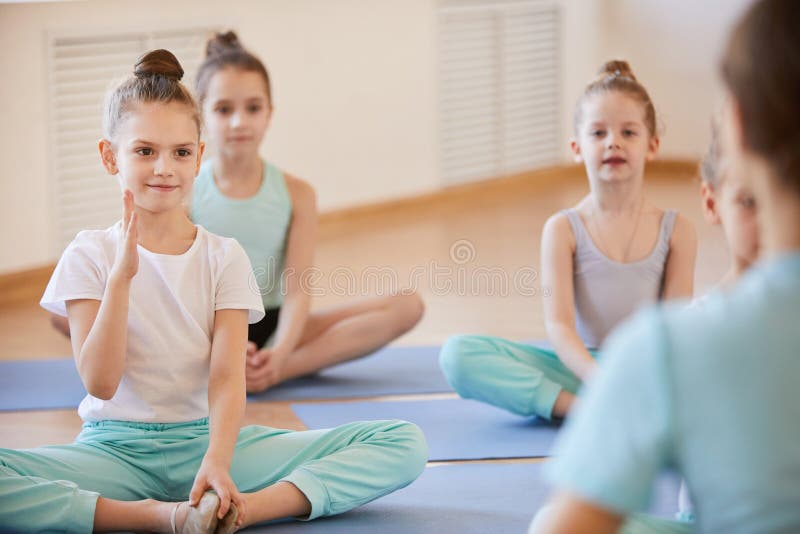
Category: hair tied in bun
[158,63]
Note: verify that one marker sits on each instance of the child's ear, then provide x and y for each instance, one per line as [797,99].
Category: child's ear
[709,204]
[652,147]
[576,150]
[201,148]
[107,156]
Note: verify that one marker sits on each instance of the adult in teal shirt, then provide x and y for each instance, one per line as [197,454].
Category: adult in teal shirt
[711,392]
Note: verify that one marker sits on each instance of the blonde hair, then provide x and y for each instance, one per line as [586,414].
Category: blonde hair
[616,75]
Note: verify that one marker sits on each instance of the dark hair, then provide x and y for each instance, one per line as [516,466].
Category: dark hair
[224,50]
[616,75]
[156,78]
[761,69]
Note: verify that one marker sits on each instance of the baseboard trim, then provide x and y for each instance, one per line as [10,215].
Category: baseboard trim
[24,286]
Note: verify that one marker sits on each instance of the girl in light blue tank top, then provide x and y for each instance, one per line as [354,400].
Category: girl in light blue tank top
[273,216]
[603,259]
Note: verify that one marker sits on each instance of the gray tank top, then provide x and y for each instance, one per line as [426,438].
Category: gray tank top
[607,291]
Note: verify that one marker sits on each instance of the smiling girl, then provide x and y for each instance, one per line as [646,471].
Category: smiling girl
[158,309]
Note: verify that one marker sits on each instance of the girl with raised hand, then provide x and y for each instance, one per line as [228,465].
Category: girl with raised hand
[711,391]
[274,216]
[610,254]
[158,309]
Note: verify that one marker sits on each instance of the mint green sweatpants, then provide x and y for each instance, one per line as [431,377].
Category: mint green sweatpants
[56,488]
[522,379]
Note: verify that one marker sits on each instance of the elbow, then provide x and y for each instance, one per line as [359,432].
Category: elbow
[103,388]
[102,391]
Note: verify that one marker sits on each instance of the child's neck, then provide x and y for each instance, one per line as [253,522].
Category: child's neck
[781,232]
[617,197]
[165,233]
[779,217]
[230,169]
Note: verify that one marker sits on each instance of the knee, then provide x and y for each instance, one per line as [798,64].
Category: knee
[416,450]
[411,308]
[455,360]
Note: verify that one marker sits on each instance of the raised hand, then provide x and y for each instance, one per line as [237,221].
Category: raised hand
[126,263]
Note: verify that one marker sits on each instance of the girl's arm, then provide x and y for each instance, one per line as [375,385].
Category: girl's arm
[568,514]
[558,249]
[99,329]
[679,271]
[300,246]
[226,403]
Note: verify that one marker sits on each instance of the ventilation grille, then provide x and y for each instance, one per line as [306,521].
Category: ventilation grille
[498,87]
[81,70]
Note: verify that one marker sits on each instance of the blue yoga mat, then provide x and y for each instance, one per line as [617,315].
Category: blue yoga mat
[456,429]
[463,498]
[40,385]
[390,371]
[54,384]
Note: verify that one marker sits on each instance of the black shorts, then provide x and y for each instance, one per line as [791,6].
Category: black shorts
[260,332]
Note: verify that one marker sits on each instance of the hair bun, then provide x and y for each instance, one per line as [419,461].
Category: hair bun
[222,43]
[616,68]
[158,63]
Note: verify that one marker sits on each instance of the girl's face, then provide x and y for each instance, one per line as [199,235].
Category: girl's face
[156,153]
[732,204]
[236,111]
[612,140]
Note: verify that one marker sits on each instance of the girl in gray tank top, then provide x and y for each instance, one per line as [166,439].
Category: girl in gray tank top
[602,259]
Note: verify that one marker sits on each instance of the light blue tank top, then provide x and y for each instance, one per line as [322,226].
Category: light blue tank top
[607,291]
[259,223]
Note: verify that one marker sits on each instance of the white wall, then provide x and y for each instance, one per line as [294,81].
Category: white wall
[354,87]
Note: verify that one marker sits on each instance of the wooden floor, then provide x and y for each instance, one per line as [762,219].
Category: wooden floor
[438,246]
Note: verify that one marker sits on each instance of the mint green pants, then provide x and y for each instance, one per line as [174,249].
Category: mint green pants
[56,488]
[522,379]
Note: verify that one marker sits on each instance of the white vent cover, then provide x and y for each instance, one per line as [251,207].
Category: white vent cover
[498,87]
[81,70]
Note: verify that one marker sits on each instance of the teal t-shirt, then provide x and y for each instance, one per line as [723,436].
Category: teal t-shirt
[259,223]
[713,392]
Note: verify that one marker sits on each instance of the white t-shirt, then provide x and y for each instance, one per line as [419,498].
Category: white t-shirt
[173,300]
